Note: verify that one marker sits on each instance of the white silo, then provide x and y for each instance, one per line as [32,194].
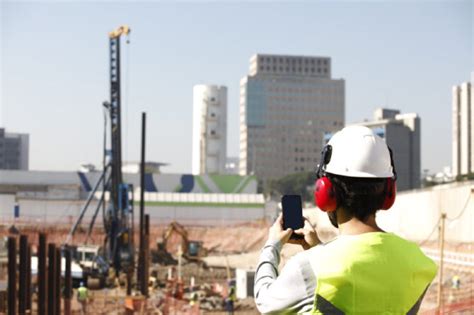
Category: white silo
[209,129]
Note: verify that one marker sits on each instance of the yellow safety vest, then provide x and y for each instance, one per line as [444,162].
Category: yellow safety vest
[82,294]
[370,273]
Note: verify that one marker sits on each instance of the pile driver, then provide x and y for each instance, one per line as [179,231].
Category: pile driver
[118,249]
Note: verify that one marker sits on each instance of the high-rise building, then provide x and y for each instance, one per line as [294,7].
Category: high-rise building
[209,129]
[401,132]
[287,103]
[14,150]
[463,129]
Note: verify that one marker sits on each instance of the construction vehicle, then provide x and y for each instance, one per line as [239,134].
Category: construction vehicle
[190,250]
[116,199]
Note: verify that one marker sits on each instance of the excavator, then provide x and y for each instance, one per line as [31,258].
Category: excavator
[190,250]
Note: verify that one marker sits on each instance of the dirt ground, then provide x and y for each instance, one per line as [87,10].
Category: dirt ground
[238,247]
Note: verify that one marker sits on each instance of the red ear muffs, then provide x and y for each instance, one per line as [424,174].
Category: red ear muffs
[324,195]
[390,193]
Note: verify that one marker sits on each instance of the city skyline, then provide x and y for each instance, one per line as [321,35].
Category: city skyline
[396,55]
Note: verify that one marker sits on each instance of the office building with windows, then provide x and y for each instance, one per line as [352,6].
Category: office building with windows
[402,134]
[287,103]
[209,129]
[463,129]
[14,151]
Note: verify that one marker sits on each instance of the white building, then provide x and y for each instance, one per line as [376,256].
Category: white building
[463,129]
[209,129]
[232,165]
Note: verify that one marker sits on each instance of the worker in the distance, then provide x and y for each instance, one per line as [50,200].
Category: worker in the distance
[82,297]
[364,270]
[230,300]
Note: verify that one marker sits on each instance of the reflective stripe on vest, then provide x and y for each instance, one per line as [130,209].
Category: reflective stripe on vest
[370,273]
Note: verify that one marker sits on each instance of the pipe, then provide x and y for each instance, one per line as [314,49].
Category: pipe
[141,263]
[42,276]
[51,281]
[22,290]
[57,278]
[11,275]
[146,256]
[29,308]
[67,282]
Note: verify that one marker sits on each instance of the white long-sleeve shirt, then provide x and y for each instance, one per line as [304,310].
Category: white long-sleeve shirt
[290,292]
[293,290]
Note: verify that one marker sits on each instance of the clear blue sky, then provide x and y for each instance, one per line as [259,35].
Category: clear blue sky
[54,67]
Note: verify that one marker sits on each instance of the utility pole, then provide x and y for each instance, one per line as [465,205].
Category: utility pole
[441,262]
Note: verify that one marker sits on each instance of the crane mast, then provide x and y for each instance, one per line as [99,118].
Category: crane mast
[119,215]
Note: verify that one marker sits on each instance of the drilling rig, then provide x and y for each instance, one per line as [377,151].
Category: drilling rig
[116,199]
[119,216]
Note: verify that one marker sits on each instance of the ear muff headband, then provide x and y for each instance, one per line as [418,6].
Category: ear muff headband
[390,186]
[324,192]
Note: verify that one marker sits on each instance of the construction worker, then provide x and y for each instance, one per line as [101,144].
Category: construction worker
[364,270]
[194,298]
[82,297]
[455,282]
[230,300]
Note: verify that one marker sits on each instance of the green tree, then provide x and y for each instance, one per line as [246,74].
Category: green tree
[294,184]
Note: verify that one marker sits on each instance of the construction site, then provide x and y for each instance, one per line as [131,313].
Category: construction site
[183,261]
[143,250]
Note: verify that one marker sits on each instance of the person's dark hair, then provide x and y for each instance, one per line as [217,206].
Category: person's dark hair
[360,197]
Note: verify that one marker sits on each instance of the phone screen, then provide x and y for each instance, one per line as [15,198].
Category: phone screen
[292,213]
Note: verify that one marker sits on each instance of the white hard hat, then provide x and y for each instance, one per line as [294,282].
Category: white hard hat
[356,151]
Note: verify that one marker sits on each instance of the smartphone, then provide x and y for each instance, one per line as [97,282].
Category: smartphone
[292,214]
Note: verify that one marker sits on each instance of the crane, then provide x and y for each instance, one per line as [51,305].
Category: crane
[118,212]
[118,220]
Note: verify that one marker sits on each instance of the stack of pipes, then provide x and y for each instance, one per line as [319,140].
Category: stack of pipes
[49,277]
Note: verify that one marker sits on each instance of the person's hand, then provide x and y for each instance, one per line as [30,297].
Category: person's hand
[310,237]
[276,232]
